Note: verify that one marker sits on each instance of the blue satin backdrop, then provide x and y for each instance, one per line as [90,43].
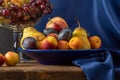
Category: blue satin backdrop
[98,17]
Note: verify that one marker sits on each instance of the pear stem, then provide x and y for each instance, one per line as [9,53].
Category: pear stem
[78,22]
[50,20]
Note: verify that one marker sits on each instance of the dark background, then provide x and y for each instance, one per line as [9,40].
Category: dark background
[6,40]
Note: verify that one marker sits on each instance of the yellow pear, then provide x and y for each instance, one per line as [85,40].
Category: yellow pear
[32,32]
[81,32]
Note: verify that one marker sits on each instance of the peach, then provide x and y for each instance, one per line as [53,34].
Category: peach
[58,23]
[12,58]
[75,43]
[95,42]
[63,45]
[49,42]
[2,59]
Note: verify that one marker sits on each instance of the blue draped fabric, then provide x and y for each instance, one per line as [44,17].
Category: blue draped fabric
[97,67]
[98,17]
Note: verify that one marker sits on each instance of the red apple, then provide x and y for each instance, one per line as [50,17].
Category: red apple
[58,23]
[12,58]
[49,42]
[2,59]
[55,25]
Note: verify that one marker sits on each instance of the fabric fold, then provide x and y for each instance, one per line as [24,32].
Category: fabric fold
[99,67]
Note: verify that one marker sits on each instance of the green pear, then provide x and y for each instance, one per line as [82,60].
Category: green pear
[82,33]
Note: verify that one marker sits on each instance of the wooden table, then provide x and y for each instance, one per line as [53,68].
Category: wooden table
[36,71]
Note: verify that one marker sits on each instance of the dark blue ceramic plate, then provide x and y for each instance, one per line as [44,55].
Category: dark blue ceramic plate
[59,57]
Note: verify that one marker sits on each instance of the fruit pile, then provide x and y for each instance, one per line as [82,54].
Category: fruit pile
[57,35]
[23,11]
[10,58]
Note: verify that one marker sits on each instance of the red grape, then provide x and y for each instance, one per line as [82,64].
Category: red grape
[26,12]
[42,6]
[6,12]
[0,12]
[1,1]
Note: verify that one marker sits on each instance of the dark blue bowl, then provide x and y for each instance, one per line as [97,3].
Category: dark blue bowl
[59,57]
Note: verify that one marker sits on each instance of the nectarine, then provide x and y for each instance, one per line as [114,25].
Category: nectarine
[95,42]
[12,58]
[63,45]
[49,42]
[75,43]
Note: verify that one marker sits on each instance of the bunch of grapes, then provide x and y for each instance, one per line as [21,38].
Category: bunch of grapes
[31,11]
